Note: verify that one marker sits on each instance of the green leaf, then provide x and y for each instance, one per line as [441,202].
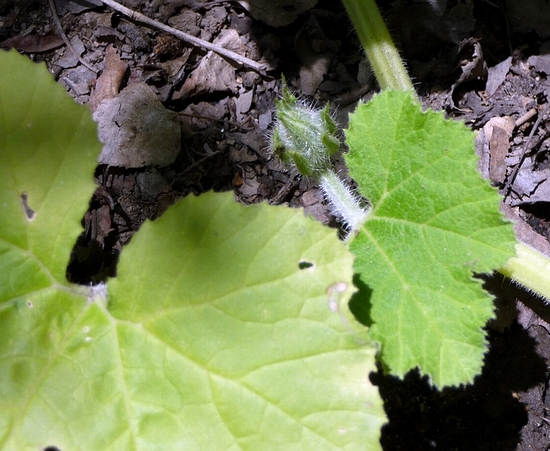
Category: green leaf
[227,327]
[434,222]
[265,360]
[49,152]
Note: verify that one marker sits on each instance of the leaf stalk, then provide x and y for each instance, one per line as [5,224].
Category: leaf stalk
[375,38]
[529,268]
[344,202]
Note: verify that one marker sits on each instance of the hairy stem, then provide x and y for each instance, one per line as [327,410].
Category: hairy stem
[529,268]
[344,202]
[381,52]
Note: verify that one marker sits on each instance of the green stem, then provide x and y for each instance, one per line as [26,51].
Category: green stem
[344,202]
[529,268]
[381,52]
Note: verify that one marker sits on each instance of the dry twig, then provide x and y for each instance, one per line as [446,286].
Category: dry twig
[61,32]
[228,54]
[511,179]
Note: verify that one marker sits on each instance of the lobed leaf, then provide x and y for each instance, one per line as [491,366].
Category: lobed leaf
[434,223]
[225,329]
[49,147]
[224,310]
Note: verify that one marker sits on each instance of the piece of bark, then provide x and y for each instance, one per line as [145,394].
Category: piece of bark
[499,131]
[495,139]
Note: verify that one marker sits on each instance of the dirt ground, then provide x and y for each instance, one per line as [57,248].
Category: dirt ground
[484,62]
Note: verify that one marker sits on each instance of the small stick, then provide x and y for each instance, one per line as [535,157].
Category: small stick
[235,57]
[283,191]
[213,119]
[198,162]
[510,182]
[523,119]
[64,37]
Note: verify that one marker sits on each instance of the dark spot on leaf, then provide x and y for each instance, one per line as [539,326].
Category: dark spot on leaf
[52,448]
[305,265]
[29,212]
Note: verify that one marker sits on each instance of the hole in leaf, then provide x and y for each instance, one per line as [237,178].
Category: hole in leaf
[52,448]
[305,265]
[29,212]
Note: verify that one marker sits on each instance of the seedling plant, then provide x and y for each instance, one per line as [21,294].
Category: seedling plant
[229,326]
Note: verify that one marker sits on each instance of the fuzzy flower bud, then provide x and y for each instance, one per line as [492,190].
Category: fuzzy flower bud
[304,136]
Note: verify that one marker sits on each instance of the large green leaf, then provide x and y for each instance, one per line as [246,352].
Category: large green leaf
[434,222]
[226,328]
[49,152]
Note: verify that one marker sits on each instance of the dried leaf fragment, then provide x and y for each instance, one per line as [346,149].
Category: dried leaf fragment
[214,73]
[33,42]
[109,81]
[137,130]
[498,131]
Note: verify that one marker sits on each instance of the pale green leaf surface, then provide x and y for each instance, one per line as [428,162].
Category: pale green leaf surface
[241,339]
[44,159]
[213,337]
[434,222]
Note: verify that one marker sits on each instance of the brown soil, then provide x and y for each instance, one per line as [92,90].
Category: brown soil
[475,60]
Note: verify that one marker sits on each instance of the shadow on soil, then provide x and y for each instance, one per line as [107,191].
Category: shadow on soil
[485,416]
